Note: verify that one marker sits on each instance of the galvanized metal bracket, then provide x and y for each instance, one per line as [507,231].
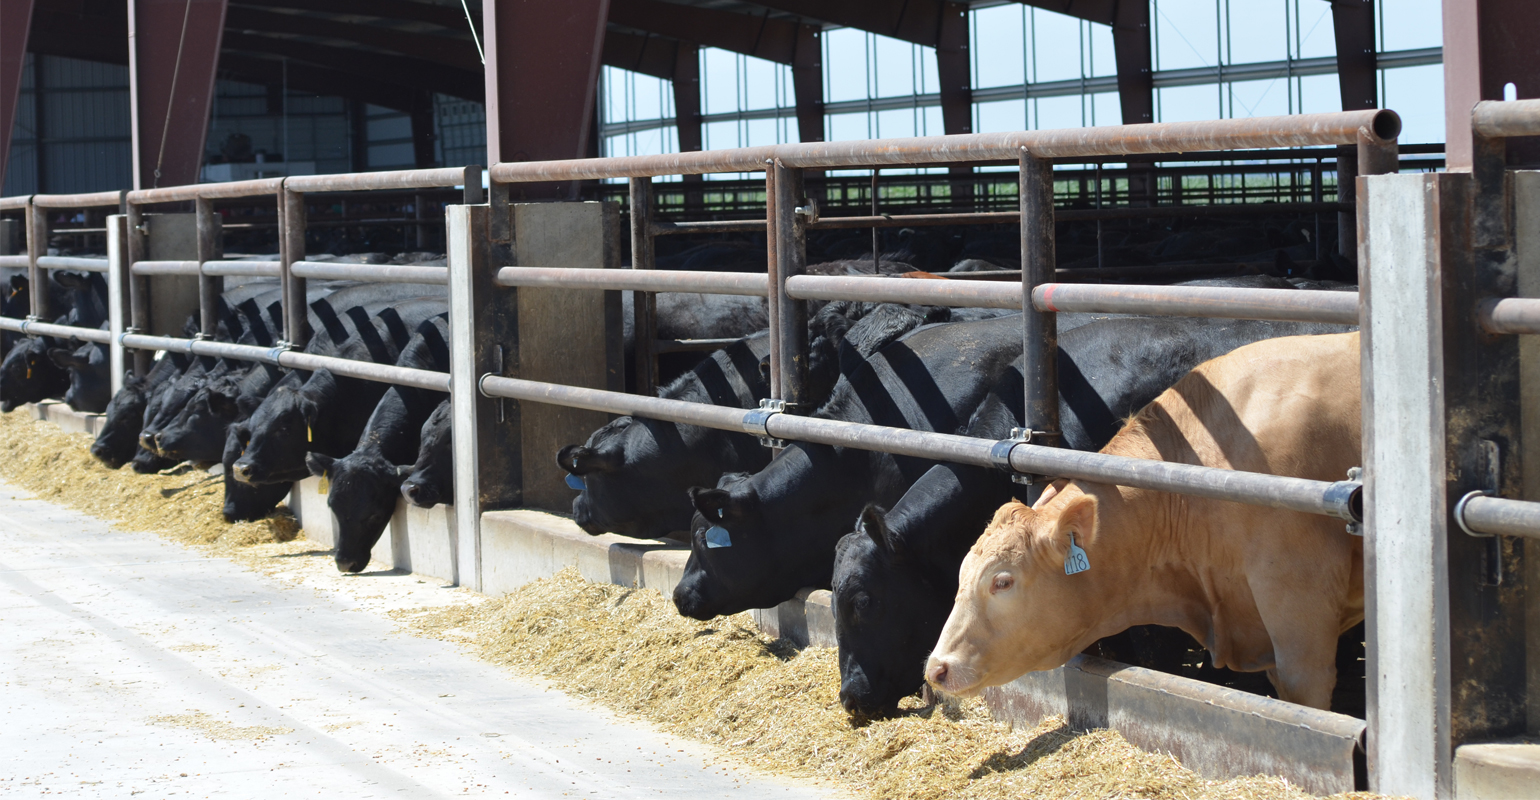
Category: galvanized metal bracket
[1000,453]
[1459,514]
[1355,475]
[755,421]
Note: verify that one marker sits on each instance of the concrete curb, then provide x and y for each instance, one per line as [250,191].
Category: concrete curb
[68,419]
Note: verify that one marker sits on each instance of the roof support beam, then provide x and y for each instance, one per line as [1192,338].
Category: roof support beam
[1487,45]
[914,21]
[807,83]
[1353,24]
[687,119]
[450,51]
[542,66]
[1136,68]
[15,24]
[446,16]
[954,68]
[315,79]
[172,58]
[405,72]
[648,55]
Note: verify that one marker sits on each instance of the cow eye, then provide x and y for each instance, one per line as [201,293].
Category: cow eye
[1002,582]
[862,602]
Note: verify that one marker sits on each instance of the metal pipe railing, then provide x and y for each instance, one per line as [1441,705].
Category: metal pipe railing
[16,203]
[33,327]
[1200,301]
[1340,499]
[1480,515]
[166,268]
[15,262]
[1510,315]
[1300,130]
[1500,119]
[378,273]
[242,269]
[292,359]
[85,200]
[736,283]
[73,263]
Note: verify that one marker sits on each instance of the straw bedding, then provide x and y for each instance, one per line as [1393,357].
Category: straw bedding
[724,683]
[183,504]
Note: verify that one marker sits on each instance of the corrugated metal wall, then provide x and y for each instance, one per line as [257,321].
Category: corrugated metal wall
[73,136]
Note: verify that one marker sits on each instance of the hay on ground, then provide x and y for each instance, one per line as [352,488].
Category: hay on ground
[185,504]
[724,683]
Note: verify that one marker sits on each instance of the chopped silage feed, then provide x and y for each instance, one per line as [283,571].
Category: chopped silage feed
[721,682]
[724,683]
[184,503]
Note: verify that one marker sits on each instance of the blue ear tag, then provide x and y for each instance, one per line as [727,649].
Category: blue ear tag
[716,536]
[575,482]
[1075,560]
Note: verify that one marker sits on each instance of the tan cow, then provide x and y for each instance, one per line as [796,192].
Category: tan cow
[1262,589]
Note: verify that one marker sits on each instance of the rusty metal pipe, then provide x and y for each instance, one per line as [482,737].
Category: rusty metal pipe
[1201,301]
[86,200]
[377,273]
[291,232]
[737,283]
[1298,130]
[644,305]
[1510,315]
[212,191]
[378,181]
[1496,119]
[210,287]
[72,263]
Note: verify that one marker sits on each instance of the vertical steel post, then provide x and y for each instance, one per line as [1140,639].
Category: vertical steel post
[471,191]
[138,286]
[644,304]
[1040,354]
[773,298]
[296,320]
[118,308]
[37,245]
[791,260]
[210,287]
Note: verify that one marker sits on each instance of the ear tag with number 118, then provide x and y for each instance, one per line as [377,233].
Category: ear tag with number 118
[1075,560]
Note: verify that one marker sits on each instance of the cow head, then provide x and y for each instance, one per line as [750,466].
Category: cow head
[1016,610]
[630,471]
[432,478]
[243,501]
[198,431]
[888,610]
[281,432]
[89,377]
[119,437]
[363,494]
[28,375]
[781,526]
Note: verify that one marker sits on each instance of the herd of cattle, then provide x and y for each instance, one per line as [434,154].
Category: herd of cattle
[939,573]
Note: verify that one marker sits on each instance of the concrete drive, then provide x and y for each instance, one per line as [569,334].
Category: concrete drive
[129,665]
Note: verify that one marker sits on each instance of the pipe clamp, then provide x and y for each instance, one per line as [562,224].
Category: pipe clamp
[1459,513]
[756,421]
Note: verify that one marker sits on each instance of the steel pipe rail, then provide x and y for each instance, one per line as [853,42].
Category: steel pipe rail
[644,280]
[293,359]
[1497,119]
[165,268]
[87,200]
[1480,515]
[36,328]
[16,203]
[213,191]
[1342,499]
[690,345]
[15,261]
[244,269]
[1299,130]
[378,273]
[1510,315]
[70,262]
[377,181]
[1199,301]
[872,289]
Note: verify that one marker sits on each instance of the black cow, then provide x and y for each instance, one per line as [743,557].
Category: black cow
[432,477]
[28,375]
[119,439]
[781,523]
[366,483]
[327,412]
[89,369]
[895,576]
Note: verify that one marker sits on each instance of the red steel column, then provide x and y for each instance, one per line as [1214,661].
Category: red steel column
[543,62]
[1487,45]
[687,97]
[807,83]
[15,24]
[173,51]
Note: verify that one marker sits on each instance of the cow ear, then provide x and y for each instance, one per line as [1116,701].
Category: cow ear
[309,410]
[223,403]
[319,464]
[242,433]
[1079,518]
[713,504]
[873,524]
[581,460]
[62,357]
[18,282]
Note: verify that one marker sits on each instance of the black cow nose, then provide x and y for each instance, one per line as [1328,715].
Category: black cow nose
[413,490]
